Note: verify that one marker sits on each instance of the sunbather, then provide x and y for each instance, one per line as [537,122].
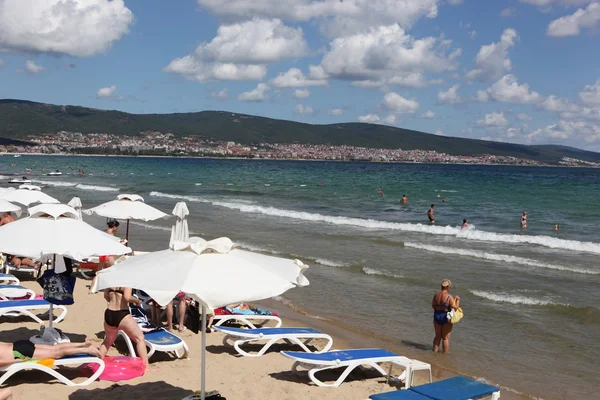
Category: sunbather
[19,262]
[6,394]
[24,350]
[117,317]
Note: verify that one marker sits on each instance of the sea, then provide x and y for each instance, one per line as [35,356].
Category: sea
[531,297]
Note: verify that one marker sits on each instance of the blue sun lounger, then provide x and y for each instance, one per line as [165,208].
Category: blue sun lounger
[457,388]
[15,308]
[9,278]
[351,359]
[300,336]
[9,292]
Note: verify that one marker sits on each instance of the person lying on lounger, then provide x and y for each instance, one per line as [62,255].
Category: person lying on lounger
[23,350]
[6,394]
[19,262]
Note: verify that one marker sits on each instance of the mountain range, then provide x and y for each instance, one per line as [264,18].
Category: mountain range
[20,119]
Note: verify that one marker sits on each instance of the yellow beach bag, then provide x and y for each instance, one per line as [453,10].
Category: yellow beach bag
[455,315]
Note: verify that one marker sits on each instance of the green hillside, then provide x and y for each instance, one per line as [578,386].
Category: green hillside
[19,119]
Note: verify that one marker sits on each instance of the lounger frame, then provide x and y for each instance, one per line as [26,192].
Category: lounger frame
[253,321]
[315,366]
[243,336]
[23,309]
[14,368]
[154,347]
[4,289]
[10,279]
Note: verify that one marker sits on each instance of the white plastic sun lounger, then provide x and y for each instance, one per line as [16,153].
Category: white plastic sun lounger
[15,308]
[457,388]
[351,359]
[300,336]
[9,268]
[67,361]
[9,279]
[159,340]
[253,321]
[9,292]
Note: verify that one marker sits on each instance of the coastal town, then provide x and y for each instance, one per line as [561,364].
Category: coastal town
[168,144]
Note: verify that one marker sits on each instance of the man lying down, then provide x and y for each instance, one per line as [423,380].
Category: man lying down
[23,350]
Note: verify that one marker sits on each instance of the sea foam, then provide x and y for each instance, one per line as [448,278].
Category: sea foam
[97,188]
[468,234]
[497,257]
[502,297]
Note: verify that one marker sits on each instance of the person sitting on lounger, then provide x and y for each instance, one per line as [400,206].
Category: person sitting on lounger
[117,317]
[7,218]
[23,350]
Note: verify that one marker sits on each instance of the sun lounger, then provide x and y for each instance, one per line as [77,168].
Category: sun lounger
[222,315]
[67,361]
[9,268]
[156,338]
[15,308]
[10,292]
[9,279]
[457,388]
[159,340]
[299,336]
[351,359]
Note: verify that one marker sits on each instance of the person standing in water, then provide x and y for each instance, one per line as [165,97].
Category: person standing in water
[442,303]
[524,220]
[430,214]
[404,199]
[465,225]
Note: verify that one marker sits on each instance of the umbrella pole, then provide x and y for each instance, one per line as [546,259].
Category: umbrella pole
[203,368]
[51,312]
[127,232]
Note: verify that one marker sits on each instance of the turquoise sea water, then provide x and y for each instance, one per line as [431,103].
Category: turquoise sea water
[530,298]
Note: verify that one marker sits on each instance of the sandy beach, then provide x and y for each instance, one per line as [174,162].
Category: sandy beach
[235,377]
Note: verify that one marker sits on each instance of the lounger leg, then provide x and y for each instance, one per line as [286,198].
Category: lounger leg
[128,343]
[338,382]
[262,351]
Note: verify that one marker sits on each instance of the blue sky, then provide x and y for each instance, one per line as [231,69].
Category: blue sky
[523,71]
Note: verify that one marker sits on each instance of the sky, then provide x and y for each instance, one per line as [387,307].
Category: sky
[520,71]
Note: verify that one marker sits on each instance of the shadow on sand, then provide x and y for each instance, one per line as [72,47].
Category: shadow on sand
[155,390]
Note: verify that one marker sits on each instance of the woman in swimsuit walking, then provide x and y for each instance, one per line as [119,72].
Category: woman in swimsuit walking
[442,303]
[117,317]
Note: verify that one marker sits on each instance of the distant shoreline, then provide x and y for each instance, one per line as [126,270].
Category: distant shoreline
[288,159]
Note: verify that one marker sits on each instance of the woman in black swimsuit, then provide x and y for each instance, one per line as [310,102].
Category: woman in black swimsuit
[117,317]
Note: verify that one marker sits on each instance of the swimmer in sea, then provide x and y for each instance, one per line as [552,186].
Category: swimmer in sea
[524,220]
[438,196]
[465,225]
[380,192]
[443,200]
[404,199]
[556,228]
[430,214]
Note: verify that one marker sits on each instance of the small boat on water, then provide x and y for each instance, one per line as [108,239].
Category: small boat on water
[17,156]
[20,180]
[54,173]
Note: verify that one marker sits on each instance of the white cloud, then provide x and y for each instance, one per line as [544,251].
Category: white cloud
[523,117]
[394,103]
[241,51]
[450,96]
[492,61]
[493,119]
[429,115]
[295,78]
[386,52]
[337,112]
[556,104]
[301,93]
[106,92]
[508,12]
[439,132]
[336,17]
[590,95]
[415,80]
[222,94]
[258,94]
[508,90]
[455,2]
[79,28]
[571,25]
[303,110]
[481,96]
[376,119]
[567,129]
[33,68]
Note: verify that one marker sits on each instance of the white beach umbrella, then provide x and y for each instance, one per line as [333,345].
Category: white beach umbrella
[7,206]
[213,273]
[180,231]
[28,195]
[76,204]
[56,229]
[127,206]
